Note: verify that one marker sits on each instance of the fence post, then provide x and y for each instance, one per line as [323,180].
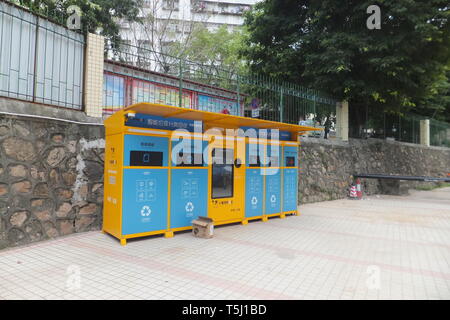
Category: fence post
[281,104]
[314,109]
[366,123]
[93,78]
[342,120]
[36,50]
[425,132]
[180,75]
[241,113]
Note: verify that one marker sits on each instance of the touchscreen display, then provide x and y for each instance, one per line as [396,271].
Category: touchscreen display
[146,158]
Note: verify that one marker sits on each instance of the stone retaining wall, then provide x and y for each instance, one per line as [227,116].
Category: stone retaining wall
[326,167]
[51,179]
[51,172]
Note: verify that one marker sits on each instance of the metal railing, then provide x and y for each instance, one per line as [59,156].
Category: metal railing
[40,61]
[439,133]
[248,95]
[365,122]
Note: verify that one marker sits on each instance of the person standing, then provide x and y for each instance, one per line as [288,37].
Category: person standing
[327,127]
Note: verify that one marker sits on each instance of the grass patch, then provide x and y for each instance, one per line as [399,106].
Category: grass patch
[432,187]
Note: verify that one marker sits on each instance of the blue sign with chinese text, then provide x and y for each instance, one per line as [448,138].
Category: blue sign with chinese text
[157,122]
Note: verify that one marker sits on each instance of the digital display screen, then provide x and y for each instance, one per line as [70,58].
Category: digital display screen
[146,158]
[222,174]
[290,161]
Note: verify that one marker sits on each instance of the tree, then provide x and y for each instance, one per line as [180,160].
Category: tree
[164,29]
[160,26]
[437,103]
[101,16]
[219,48]
[206,55]
[327,45]
[213,56]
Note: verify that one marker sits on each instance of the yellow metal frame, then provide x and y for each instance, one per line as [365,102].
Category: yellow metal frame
[113,170]
[216,209]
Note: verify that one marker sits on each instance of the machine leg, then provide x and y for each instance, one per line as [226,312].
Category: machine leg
[282,216]
[168,234]
[123,242]
[265,219]
[244,222]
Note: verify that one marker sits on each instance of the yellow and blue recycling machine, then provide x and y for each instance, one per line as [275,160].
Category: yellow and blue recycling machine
[165,166]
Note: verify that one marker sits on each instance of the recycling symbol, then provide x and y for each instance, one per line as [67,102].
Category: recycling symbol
[254,200]
[273,198]
[189,207]
[145,211]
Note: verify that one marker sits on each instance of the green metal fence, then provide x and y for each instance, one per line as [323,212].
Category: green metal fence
[439,133]
[266,98]
[365,122]
[257,96]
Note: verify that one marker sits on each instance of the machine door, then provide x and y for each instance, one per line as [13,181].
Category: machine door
[226,198]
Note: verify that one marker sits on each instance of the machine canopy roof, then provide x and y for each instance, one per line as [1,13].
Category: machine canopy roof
[212,119]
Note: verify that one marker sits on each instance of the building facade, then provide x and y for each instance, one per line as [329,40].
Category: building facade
[168,21]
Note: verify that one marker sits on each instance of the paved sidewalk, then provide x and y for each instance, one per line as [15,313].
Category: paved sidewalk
[383,247]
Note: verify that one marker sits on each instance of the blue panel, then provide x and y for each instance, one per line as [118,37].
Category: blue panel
[290,189]
[113,90]
[188,145]
[157,122]
[273,191]
[144,200]
[145,143]
[252,151]
[254,196]
[189,196]
[285,135]
[276,150]
[290,152]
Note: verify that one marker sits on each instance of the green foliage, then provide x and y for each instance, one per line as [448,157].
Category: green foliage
[326,45]
[97,15]
[437,103]
[220,48]
[212,57]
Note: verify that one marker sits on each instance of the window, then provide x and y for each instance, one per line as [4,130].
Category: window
[171,5]
[198,6]
[222,173]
